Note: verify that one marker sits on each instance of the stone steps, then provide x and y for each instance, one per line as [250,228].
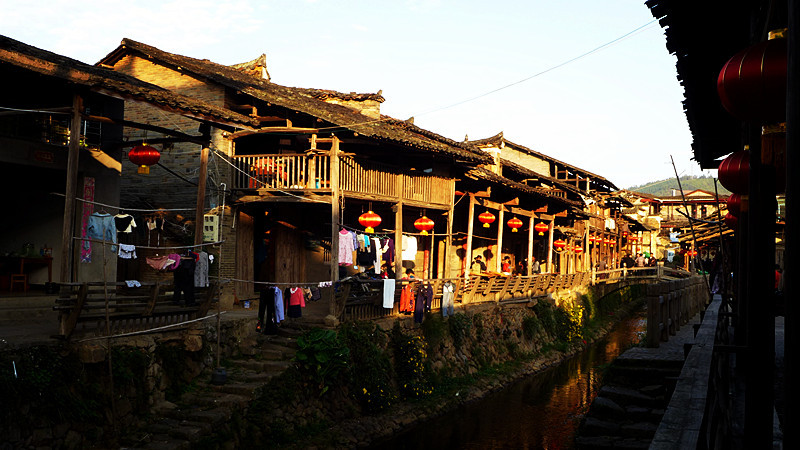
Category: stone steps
[208,408]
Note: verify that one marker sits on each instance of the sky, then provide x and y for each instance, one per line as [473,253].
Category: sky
[460,68]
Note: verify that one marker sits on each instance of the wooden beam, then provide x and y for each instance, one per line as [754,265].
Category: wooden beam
[550,248]
[269,130]
[529,263]
[198,139]
[498,260]
[470,229]
[201,195]
[522,212]
[398,227]
[68,226]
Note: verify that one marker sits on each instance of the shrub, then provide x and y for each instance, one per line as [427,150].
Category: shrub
[531,326]
[411,365]
[370,374]
[321,356]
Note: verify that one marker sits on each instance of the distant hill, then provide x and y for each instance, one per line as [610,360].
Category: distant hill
[689,183]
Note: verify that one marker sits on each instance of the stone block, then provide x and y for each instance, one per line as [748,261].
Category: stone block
[91,353]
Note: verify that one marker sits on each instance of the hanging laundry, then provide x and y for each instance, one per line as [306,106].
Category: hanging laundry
[407,299]
[133,283]
[377,254]
[201,270]
[345,248]
[388,293]
[127,251]
[124,223]
[88,209]
[387,245]
[277,298]
[422,303]
[183,277]
[176,258]
[448,293]
[296,302]
[267,322]
[159,262]
[101,226]
[409,252]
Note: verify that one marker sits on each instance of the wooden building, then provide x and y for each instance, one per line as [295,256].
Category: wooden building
[61,132]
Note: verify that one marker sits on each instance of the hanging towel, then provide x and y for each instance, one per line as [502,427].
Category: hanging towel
[133,283]
[388,293]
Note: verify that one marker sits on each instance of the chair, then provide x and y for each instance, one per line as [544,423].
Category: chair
[18,278]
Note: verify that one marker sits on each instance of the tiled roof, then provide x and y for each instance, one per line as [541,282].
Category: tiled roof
[309,101]
[498,139]
[522,187]
[106,81]
[522,170]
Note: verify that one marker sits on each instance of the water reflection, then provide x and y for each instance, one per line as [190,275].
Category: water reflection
[541,412]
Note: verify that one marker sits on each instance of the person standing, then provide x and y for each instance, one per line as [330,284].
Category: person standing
[478,266]
[535,268]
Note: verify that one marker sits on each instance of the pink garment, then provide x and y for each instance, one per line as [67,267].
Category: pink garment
[346,248]
[159,262]
[176,261]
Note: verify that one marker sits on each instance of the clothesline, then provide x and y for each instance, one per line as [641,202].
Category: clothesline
[119,208]
[390,233]
[153,330]
[273,283]
[99,241]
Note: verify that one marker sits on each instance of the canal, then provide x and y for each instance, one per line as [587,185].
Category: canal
[542,411]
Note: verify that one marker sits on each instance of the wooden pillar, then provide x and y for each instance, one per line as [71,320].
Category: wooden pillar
[790,289]
[585,243]
[68,227]
[470,229]
[531,226]
[760,363]
[448,240]
[498,263]
[398,227]
[335,219]
[201,196]
[550,246]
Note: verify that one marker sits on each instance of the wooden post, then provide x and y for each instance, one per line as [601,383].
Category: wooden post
[530,243]
[470,229]
[448,240]
[792,337]
[334,270]
[201,196]
[68,227]
[498,263]
[550,246]
[398,228]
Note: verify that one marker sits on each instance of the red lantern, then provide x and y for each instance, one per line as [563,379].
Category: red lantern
[606,241]
[735,204]
[731,221]
[486,218]
[578,249]
[423,224]
[144,156]
[515,224]
[370,220]
[541,228]
[560,245]
[692,253]
[734,172]
[752,84]
[612,242]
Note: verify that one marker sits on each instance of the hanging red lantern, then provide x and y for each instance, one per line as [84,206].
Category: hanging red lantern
[560,245]
[541,228]
[752,84]
[612,242]
[692,253]
[370,220]
[735,204]
[578,249]
[515,224]
[486,218]
[606,241]
[144,156]
[734,172]
[731,221]
[423,224]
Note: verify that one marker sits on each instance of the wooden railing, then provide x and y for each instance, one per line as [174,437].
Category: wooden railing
[288,171]
[93,308]
[364,298]
[356,177]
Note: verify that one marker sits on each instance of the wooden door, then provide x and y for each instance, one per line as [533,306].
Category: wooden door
[244,256]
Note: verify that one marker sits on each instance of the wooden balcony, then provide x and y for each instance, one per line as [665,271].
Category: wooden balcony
[357,178]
